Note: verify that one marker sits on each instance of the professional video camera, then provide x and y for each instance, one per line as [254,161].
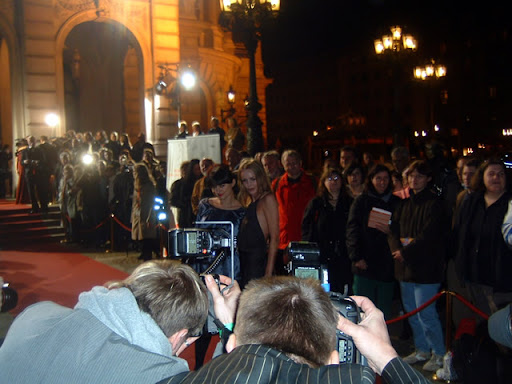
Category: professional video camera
[8,297]
[305,262]
[204,246]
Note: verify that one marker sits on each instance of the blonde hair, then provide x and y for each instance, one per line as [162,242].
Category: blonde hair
[261,179]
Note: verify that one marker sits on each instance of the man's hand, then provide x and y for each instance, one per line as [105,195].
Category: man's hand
[224,303]
[370,335]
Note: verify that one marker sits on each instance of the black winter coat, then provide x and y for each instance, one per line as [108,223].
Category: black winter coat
[325,225]
[422,219]
[482,255]
[370,244]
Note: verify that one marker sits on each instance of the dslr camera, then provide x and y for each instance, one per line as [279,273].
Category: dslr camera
[8,297]
[200,247]
[305,262]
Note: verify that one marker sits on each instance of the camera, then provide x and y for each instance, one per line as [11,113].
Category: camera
[305,262]
[8,297]
[204,249]
[196,242]
[346,307]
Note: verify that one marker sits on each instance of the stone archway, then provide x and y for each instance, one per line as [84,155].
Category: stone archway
[102,79]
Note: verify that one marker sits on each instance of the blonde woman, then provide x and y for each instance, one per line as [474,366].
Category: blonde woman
[258,237]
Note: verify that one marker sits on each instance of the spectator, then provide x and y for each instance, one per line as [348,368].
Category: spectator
[418,230]
[216,129]
[271,161]
[400,159]
[354,177]
[293,192]
[233,158]
[258,237]
[36,176]
[367,243]
[196,129]
[124,142]
[114,145]
[483,261]
[144,221]
[324,222]
[181,192]
[234,136]
[200,190]
[128,331]
[348,156]
[139,146]
[182,130]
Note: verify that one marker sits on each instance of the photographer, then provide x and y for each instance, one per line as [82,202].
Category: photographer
[285,332]
[130,331]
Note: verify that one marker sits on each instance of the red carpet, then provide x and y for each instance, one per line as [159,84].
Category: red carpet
[48,271]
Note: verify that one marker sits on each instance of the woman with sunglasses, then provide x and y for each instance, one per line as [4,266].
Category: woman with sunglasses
[324,223]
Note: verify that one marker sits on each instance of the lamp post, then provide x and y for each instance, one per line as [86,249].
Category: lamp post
[395,46]
[185,77]
[429,74]
[231,96]
[244,19]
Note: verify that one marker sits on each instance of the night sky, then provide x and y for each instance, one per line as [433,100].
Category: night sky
[337,26]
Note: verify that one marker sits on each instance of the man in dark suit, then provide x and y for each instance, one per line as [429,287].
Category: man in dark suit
[285,332]
[36,175]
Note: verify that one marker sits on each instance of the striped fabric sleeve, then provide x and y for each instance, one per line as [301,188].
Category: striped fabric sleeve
[399,372]
[506,227]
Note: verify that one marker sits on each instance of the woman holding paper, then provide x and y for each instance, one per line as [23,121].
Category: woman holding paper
[367,244]
[324,223]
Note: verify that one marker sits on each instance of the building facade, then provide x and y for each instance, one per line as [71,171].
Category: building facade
[95,63]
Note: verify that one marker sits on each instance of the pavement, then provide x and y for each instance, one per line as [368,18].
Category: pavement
[127,261]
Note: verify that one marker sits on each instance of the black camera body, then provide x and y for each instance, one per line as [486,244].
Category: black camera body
[8,297]
[345,346]
[304,262]
[195,242]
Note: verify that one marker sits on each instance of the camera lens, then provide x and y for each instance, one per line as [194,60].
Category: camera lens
[9,299]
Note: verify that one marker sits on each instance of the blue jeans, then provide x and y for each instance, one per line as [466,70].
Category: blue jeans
[426,326]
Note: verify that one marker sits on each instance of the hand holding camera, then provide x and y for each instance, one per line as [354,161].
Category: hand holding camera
[370,335]
[225,297]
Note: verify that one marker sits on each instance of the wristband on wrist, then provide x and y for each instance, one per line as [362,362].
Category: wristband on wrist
[225,332]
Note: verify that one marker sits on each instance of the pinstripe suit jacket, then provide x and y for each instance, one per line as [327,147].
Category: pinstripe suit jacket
[261,364]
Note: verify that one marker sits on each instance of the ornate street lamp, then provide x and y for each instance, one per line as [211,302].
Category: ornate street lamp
[396,47]
[231,95]
[396,42]
[244,19]
[429,74]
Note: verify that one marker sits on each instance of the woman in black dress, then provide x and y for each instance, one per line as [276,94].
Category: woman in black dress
[258,238]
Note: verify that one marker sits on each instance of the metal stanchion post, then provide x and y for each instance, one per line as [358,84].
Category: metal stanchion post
[112,232]
[448,320]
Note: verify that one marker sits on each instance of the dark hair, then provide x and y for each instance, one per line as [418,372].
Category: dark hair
[477,182]
[378,168]
[322,189]
[351,168]
[421,166]
[220,174]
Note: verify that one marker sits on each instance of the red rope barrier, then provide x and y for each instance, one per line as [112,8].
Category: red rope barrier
[121,224]
[96,227]
[437,296]
[420,308]
[469,305]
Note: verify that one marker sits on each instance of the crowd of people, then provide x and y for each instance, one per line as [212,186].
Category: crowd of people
[408,225]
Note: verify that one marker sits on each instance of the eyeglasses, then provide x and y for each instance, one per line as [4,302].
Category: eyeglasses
[333,178]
